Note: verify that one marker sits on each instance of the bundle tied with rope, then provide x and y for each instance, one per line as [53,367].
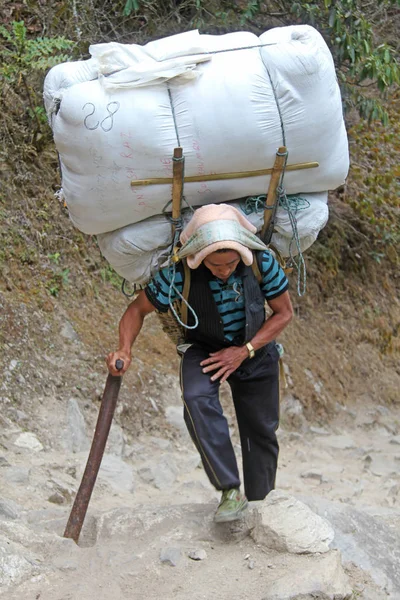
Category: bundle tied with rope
[175,321]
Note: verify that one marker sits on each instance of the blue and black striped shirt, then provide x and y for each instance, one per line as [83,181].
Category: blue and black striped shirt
[228,295]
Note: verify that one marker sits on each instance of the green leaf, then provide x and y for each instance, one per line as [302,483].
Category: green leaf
[130,6]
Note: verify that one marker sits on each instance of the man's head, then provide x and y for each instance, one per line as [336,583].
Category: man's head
[218,227]
[222,263]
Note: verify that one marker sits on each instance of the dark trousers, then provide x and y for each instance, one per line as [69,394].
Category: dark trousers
[255,393]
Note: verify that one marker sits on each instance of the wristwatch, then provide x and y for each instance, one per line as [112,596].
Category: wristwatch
[250,349]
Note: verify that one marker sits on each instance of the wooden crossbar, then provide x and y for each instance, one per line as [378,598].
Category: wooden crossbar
[219,176]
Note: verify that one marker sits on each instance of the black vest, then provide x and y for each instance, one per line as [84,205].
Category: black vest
[210,331]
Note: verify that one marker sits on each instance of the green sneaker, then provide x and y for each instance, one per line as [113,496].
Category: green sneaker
[231,507]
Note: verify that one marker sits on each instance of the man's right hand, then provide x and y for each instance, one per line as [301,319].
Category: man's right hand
[118,355]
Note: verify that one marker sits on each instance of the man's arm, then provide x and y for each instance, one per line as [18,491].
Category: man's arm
[226,361]
[282,313]
[129,328]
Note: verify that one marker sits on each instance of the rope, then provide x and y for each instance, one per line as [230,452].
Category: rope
[241,48]
[254,204]
[172,287]
[292,205]
[279,112]
[173,115]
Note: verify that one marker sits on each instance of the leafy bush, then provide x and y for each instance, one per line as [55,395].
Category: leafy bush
[22,59]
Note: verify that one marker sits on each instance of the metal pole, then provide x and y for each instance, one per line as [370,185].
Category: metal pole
[104,420]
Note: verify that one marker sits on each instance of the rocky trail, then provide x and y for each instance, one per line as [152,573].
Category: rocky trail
[331,530]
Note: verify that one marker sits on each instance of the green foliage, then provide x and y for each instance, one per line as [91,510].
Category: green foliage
[23,60]
[349,30]
[349,27]
[55,258]
[373,189]
[58,281]
[250,11]
[21,55]
[130,6]
[108,275]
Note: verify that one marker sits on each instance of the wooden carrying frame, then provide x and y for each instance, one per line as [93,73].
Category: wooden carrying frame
[271,200]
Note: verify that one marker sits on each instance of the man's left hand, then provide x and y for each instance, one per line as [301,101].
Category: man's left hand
[226,361]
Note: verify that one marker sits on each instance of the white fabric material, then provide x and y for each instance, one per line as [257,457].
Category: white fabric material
[139,250]
[129,66]
[216,235]
[227,120]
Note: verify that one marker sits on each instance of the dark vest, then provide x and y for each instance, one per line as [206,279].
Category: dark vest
[210,331]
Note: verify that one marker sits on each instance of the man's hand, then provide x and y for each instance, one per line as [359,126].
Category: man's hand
[226,361]
[118,355]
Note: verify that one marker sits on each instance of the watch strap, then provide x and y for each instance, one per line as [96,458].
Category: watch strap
[250,349]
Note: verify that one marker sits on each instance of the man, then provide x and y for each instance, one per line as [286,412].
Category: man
[232,341]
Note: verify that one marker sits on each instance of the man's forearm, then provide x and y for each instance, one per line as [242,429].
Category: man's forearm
[272,327]
[276,323]
[129,327]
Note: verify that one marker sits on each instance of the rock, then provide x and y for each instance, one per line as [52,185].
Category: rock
[14,567]
[313,475]
[117,473]
[321,578]
[170,556]
[29,441]
[319,431]
[76,439]
[162,474]
[292,413]
[19,475]
[57,498]
[317,384]
[364,538]
[68,332]
[174,416]
[4,462]
[340,442]
[116,442]
[200,554]
[287,525]
[159,442]
[381,465]
[395,440]
[9,509]
[189,462]
[66,491]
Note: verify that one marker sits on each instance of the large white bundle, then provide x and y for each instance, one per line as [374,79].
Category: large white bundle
[137,251]
[226,108]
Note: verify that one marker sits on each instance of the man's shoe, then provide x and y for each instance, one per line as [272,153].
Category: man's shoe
[231,507]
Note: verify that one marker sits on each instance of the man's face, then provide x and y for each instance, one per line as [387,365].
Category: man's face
[222,264]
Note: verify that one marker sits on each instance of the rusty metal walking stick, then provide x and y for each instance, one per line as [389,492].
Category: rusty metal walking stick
[104,420]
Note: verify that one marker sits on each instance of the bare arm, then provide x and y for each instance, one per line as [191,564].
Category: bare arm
[129,328]
[230,359]
[282,313]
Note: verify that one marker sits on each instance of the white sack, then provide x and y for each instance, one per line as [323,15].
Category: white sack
[227,121]
[137,251]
